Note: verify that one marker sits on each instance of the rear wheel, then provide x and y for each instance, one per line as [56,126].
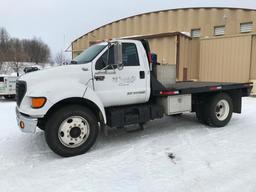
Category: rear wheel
[71,131]
[219,110]
[200,114]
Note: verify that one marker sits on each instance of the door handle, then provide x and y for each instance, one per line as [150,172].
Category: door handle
[142,74]
[99,78]
[85,69]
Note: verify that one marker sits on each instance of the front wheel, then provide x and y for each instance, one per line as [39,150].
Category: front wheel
[71,131]
[219,110]
[177,115]
[9,97]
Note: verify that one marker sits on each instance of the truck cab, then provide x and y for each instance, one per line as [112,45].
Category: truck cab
[112,84]
[96,75]
[121,82]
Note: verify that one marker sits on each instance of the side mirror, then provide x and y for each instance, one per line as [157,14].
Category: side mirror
[118,55]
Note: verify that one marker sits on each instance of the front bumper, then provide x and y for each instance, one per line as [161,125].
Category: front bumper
[26,124]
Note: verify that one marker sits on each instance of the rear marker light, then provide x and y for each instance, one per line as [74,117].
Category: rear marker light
[248,85]
[215,88]
[169,92]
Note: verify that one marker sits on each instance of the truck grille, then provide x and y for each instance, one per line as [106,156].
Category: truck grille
[21,88]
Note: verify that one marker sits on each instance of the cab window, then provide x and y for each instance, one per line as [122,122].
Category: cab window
[89,54]
[130,55]
[107,58]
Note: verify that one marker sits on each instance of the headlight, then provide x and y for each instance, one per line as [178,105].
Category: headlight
[38,102]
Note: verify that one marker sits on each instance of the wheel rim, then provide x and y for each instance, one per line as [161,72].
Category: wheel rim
[222,110]
[74,131]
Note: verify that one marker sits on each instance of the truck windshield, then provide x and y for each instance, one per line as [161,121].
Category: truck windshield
[89,54]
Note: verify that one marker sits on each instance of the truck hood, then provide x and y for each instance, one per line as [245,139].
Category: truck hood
[81,73]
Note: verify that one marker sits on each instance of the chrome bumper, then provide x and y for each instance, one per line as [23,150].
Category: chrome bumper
[26,124]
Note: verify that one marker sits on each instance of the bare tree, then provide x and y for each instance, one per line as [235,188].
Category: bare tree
[60,58]
[4,39]
[37,50]
[17,55]
[14,51]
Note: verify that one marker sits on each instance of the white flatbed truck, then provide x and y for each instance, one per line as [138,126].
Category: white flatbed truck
[111,84]
[8,86]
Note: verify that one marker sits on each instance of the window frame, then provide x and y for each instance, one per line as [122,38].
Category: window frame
[245,23]
[219,26]
[195,29]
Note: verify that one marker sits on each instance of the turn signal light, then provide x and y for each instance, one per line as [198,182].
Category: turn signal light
[38,102]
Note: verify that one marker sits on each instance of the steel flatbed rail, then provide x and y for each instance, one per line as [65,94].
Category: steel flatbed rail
[195,87]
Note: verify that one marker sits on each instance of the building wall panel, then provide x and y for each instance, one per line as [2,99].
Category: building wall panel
[189,58]
[194,59]
[225,59]
[165,48]
[172,20]
[253,59]
[183,57]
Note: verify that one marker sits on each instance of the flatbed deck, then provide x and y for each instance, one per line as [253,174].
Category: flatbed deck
[193,87]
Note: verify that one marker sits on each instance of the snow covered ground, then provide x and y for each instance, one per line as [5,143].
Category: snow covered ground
[206,159]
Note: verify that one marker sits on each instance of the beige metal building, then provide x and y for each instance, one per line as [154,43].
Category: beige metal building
[207,44]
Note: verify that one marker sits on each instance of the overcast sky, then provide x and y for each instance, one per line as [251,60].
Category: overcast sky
[58,22]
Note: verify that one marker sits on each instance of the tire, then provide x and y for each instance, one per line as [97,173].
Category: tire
[177,115]
[219,110]
[9,97]
[41,125]
[41,128]
[200,114]
[71,130]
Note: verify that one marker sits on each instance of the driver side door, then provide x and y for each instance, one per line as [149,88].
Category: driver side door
[120,86]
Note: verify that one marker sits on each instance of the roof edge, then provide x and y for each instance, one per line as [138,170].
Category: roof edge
[157,35]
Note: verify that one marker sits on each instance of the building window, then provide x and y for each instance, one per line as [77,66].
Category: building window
[246,27]
[195,32]
[219,30]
